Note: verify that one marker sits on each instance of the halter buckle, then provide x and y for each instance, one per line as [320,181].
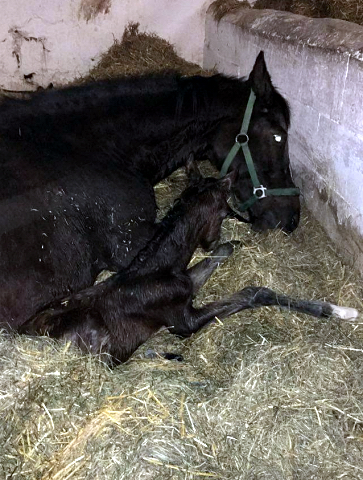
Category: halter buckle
[260,192]
[242,138]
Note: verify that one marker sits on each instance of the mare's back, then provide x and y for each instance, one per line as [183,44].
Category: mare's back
[74,109]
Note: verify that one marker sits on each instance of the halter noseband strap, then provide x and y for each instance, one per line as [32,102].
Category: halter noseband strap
[241,141]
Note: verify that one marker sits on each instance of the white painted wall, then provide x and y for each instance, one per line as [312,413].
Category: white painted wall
[57,40]
[317,64]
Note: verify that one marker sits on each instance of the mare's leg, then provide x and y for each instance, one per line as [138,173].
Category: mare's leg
[253,297]
[200,272]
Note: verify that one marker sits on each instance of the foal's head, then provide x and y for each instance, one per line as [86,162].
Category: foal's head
[205,203]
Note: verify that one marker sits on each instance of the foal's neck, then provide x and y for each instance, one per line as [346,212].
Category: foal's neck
[174,242]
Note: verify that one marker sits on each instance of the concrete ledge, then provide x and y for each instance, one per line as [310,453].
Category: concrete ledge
[317,64]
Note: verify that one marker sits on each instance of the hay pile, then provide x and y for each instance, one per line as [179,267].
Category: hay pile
[140,52]
[349,10]
[222,7]
[265,395]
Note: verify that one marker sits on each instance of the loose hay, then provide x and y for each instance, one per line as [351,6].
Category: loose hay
[222,7]
[140,53]
[349,10]
[265,395]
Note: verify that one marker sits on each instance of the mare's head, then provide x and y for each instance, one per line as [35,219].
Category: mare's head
[266,137]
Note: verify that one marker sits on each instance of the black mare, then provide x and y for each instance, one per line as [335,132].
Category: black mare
[78,166]
[156,289]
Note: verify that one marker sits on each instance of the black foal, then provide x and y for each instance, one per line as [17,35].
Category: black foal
[156,290]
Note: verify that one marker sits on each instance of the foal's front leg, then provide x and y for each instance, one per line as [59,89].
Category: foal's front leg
[201,272]
[253,297]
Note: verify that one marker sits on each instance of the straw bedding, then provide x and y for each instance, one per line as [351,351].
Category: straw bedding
[268,394]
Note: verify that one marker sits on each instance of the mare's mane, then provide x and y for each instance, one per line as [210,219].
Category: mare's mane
[196,95]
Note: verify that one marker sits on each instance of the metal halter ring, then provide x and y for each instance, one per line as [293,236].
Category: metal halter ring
[242,138]
[260,192]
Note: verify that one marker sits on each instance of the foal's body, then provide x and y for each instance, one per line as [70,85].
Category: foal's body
[157,289]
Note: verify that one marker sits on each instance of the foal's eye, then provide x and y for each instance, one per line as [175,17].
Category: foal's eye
[277,138]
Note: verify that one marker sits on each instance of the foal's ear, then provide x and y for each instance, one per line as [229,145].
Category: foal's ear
[228,180]
[260,78]
[192,170]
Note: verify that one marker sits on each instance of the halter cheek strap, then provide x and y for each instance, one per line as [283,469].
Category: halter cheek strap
[241,142]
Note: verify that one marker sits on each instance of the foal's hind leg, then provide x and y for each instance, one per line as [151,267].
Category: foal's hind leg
[200,272]
[253,297]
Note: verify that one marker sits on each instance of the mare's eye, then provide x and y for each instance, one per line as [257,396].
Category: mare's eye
[277,138]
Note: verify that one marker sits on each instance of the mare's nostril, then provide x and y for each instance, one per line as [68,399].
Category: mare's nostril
[291,226]
[295,221]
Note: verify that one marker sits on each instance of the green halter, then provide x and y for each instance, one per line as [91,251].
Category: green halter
[241,141]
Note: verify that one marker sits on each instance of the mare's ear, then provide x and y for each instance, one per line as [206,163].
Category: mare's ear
[192,170]
[228,180]
[260,79]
